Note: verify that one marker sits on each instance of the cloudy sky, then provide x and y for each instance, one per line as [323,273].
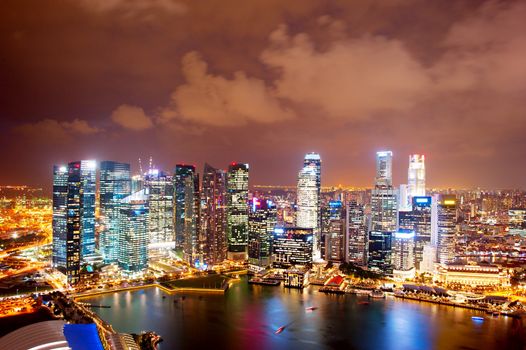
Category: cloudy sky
[264,82]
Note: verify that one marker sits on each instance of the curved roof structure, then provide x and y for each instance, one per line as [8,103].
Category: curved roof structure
[56,334]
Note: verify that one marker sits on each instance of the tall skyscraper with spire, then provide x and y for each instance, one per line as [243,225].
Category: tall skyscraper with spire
[213,215]
[237,210]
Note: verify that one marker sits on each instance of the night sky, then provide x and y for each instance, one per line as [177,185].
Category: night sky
[264,82]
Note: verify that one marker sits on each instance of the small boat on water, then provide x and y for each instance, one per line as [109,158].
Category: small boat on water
[377,294]
[279,330]
[310,308]
[477,318]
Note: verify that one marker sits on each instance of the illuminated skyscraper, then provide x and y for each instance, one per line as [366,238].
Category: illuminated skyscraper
[132,234]
[262,220]
[416,176]
[356,233]
[115,184]
[334,227]
[292,246]
[419,221]
[383,196]
[307,202]
[187,204]
[313,159]
[160,190]
[88,173]
[74,223]
[384,169]
[73,216]
[213,215]
[60,197]
[380,252]
[403,254]
[237,211]
[447,228]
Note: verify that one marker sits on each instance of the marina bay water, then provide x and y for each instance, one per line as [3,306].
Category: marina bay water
[247,317]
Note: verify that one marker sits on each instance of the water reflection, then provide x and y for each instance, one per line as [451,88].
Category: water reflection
[248,316]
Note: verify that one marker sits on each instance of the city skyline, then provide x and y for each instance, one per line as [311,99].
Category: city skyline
[437,89]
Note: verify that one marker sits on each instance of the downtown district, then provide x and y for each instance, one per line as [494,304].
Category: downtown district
[402,233]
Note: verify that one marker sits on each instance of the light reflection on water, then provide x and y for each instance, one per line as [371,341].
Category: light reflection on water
[247,317]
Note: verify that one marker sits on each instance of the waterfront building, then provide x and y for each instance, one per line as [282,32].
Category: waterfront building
[446,228]
[292,246]
[296,278]
[380,251]
[187,216]
[262,220]
[160,190]
[356,233]
[133,233]
[115,184]
[308,210]
[419,221]
[333,231]
[429,255]
[416,176]
[403,254]
[472,275]
[59,223]
[213,211]
[237,211]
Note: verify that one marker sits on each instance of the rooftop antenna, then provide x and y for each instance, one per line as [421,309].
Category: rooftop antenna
[150,167]
[140,167]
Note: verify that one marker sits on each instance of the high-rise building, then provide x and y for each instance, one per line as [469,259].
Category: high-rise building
[447,228]
[60,197]
[384,169]
[419,221]
[133,230]
[73,201]
[403,254]
[416,176]
[404,200]
[307,203]
[213,215]
[187,205]
[74,223]
[115,184]
[356,233]
[160,190]
[383,197]
[262,220]
[237,211]
[313,159]
[292,246]
[333,231]
[88,173]
[380,251]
